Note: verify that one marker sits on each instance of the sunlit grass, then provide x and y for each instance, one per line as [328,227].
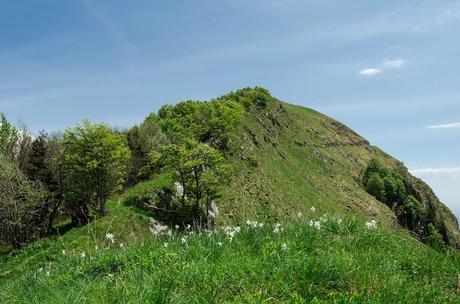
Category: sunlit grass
[337,261]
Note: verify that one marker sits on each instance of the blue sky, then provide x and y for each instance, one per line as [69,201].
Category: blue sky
[389,69]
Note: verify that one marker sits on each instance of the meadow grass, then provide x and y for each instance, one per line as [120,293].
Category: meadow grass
[311,260]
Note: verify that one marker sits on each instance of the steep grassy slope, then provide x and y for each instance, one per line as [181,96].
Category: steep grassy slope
[291,158]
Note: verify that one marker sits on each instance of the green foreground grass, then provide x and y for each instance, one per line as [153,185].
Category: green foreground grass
[342,262]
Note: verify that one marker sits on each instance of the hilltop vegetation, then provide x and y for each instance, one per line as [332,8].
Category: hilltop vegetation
[92,204]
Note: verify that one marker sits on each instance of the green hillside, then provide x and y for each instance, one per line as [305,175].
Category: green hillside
[293,158]
[290,165]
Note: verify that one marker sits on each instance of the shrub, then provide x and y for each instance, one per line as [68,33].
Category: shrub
[375,186]
[21,201]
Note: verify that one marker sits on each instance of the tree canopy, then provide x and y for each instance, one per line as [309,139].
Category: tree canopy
[95,159]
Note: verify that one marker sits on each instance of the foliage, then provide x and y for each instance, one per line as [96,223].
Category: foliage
[389,186]
[142,140]
[375,186]
[95,160]
[413,212]
[8,138]
[434,238]
[20,204]
[211,122]
[395,190]
[199,170]
[42,166]
[250,97]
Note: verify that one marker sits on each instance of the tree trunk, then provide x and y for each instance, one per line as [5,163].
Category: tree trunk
[102,210]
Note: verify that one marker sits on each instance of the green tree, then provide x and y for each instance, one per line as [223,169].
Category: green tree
[395,190]
[413,212]
[42,166]
[207,122]
[374,166]
[376,187]
[95,159]
[8,138]
[199,170]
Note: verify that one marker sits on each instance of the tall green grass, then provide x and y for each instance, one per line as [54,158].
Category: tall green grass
[342,262]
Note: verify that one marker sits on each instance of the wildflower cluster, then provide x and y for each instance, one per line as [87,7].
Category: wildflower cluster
[231,231]
[315,224]
[371,224]
[254,224]
[277,228]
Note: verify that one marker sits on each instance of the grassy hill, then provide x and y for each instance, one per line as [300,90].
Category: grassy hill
[291,158]
[292,166]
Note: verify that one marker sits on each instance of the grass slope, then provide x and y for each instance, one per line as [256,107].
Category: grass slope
[343,262]
[290,158]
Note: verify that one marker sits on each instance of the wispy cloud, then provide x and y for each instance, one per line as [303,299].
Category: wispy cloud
[393,64]
[369,72]
[436,172]
[383,66]
[452,125]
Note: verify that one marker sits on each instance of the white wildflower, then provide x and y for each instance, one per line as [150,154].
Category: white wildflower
[109,236]
[253,224]
[284,247]
[165,245]
[231,231]
[122,245]
[315,224]
[40,269]
[63,252]
[277,228]
[299,214]
[83,255]
[313,209]
[219,244]
[183,240]
[188,227]
[177,227]
[371,224]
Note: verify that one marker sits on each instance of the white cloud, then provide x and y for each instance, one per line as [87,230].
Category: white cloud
[436,172]
[384,65]
[393,64]
[445,126]
[369,72]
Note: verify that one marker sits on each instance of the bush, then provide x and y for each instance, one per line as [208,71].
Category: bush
[434,238]
[21,201]
[375,186]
